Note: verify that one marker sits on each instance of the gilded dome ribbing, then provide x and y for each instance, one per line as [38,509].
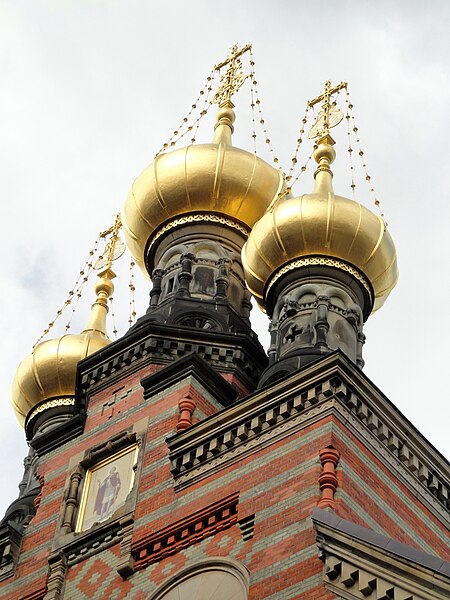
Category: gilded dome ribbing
[320,227]
[210,179]
[50,370]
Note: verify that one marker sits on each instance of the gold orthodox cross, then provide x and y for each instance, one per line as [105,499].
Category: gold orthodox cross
[233,79]
[323,123]
[114,248]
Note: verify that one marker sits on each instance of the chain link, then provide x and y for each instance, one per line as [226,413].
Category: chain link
[257,102]
[113,317]
[177,135]
[132,317]
[75,292]
[361,154]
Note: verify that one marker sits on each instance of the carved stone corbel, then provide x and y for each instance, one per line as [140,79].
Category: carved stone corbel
[125,565]
[57,576]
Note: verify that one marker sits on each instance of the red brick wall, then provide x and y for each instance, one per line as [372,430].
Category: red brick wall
[278,484]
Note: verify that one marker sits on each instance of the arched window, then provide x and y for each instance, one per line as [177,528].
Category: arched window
[210,579]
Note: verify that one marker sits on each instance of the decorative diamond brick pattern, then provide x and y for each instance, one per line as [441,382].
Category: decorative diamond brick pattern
[185,532]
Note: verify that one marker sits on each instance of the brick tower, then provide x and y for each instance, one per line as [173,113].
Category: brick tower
[180,461]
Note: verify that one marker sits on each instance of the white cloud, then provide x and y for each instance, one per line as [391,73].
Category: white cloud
[90,91]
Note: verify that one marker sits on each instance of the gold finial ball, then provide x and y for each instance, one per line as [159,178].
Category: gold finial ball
[324,152]
[226,113]
[104,286]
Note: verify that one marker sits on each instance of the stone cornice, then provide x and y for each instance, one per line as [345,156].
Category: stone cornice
[361,563]
[161,344]
[332,385]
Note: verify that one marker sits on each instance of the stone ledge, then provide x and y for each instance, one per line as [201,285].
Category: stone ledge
[157,344]
[360,563]
[330,385]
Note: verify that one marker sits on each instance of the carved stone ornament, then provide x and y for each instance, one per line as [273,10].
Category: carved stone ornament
[18,515]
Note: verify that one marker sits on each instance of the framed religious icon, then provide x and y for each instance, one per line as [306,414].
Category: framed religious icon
[107,485]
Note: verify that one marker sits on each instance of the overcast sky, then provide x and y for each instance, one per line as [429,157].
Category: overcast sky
[90,90]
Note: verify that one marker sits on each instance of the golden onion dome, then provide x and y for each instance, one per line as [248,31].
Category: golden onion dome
[321,228]
[231,185]
[49,372]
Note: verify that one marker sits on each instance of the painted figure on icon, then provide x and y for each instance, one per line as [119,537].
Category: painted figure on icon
[107,493]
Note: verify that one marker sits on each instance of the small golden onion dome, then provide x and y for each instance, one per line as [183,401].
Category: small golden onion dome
[213,178]
[50,370]
[318,227]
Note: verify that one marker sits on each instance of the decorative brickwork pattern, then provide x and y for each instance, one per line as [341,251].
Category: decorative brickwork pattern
[276,470]
[185,532]
[289,406]
[35,594]
[163,344]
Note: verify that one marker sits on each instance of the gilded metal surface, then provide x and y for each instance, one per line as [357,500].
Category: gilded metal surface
[51,404]
[323,124]
[321,224]
[329,116]
[111,254]
[200,218]
[50,370]
[212,178]
[319,260]
[114,248]
[233,79]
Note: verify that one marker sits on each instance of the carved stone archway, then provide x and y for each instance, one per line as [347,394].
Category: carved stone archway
[210,579]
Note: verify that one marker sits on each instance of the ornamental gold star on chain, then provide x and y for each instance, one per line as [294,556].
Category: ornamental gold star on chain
[233,79]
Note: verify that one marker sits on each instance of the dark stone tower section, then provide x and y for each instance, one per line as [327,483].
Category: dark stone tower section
[17,517]
[185,221]
[315,310]
[199,290]
[198,279]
